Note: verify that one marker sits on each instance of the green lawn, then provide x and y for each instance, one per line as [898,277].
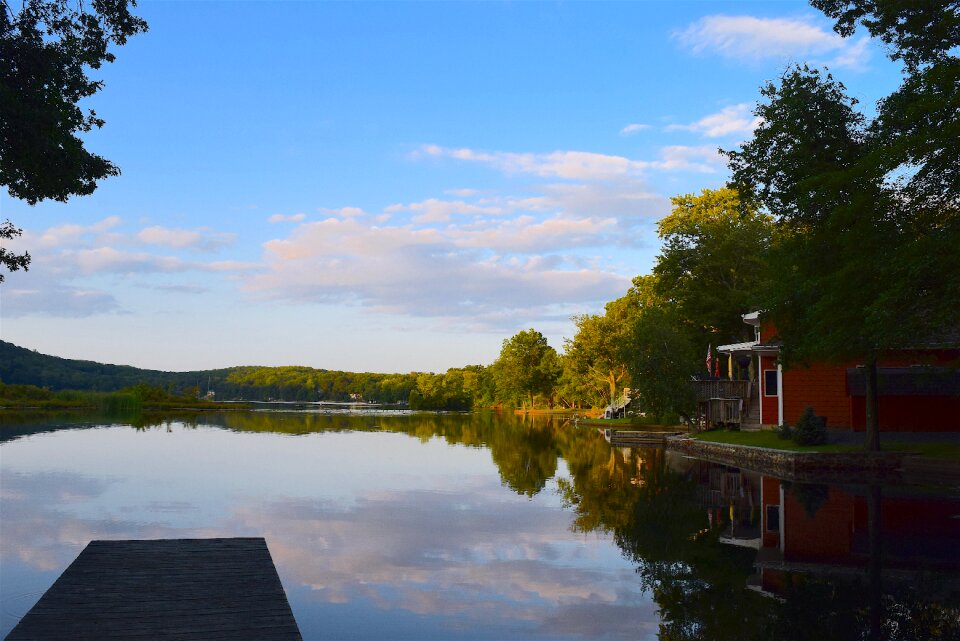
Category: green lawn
[948,451]
[769,439]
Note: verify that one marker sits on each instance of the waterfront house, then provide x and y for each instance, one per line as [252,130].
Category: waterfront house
[919,389]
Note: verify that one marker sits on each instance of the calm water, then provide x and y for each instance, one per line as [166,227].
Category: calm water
[395,526]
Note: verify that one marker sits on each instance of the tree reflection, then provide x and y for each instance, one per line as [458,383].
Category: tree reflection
[700,582]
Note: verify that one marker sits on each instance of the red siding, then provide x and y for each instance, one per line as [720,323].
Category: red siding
[823,387]
[771,496]
[825,537]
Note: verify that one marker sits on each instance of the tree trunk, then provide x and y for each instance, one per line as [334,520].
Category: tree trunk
[611,378]
[873,404]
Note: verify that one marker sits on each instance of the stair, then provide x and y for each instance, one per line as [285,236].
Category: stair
[750,422]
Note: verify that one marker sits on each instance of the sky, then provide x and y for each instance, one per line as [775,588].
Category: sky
[393,187]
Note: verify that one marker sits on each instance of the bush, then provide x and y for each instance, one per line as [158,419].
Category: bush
[811,429]
[784,433]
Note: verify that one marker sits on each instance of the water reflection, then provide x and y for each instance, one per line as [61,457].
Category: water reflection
[381,527]
[484,526]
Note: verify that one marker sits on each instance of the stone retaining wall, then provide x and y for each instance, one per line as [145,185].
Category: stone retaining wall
[805,466]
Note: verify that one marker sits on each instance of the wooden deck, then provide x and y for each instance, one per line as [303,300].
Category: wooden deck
[200,589]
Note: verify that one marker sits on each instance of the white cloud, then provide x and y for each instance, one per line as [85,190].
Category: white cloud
[461,193]
[450,273]
[705,159]
[292,218]
[71,234]
[436,210]
[343,212]
[574,165]
[732,120]
[633,128]
[570,165]
[196,239]
[49,298]
[751,38]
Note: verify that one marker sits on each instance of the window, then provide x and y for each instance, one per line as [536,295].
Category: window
[770,382]
[773,518]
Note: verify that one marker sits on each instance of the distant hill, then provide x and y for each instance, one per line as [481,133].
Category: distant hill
[21,366]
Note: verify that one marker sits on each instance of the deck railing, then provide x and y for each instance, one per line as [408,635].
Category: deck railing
[722,389]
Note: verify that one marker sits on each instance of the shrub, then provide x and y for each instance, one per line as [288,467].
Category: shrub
[784,432]
[811,429]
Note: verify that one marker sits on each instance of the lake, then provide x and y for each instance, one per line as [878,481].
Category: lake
[396,525]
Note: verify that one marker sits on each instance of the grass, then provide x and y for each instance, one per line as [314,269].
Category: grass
[769,439]
[944,451]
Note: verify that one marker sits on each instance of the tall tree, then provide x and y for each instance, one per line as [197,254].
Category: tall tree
[527,366]
[806,164]
[712,263]
[870,210]
[593,357]
[46,50]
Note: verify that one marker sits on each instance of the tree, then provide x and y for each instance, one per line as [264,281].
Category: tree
[46,49]
[8,259]
[805,163]
[919,33]
[712,266]
[869,210]
[527,366]
[660,358]
[593,358]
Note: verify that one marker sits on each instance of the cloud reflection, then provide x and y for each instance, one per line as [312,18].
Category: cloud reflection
[416,548]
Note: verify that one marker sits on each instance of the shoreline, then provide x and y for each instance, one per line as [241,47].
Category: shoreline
[824,467]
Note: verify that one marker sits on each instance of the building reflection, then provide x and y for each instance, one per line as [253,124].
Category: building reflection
[892,550]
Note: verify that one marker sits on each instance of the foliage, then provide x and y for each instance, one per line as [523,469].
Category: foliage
[47,49]
[661,358]
[810,429]
[9,259]
[527,367]
[593,362]
[868,212]
[919,33]
[129,400]
[712,263]
[458,389]
[784,432]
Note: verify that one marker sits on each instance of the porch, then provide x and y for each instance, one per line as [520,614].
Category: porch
[727,403]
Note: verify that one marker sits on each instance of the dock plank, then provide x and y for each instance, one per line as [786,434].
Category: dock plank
[209,589]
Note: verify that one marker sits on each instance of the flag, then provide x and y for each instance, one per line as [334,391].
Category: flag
[716,366]
[730,366]
[709,361]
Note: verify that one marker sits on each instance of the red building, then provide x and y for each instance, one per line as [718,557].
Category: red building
[919,390]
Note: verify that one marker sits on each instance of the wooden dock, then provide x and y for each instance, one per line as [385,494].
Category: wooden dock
[198,589]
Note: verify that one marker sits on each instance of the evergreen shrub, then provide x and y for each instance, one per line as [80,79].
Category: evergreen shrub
[811,429]
[784,432]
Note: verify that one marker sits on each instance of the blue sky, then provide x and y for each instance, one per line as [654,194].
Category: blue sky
[393,187]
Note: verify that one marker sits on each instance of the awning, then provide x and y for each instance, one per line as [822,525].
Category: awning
[737,348]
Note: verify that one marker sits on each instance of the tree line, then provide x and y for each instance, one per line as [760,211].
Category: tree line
[842,226]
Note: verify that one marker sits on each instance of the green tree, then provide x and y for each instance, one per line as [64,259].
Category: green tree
[805,163]
[870,209]
[9,259]
[712,265]
[593,363]
[661,358]
[46,50]
[527,366]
